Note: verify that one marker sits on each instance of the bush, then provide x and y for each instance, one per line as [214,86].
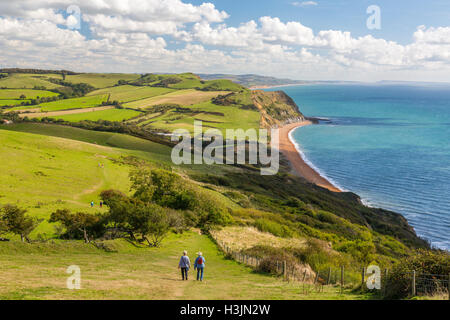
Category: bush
[266,225]
[423,262]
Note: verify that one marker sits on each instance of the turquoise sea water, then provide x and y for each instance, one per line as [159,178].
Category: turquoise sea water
[388,143]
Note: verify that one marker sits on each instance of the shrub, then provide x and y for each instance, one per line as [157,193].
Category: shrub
[266,225]
[423,262]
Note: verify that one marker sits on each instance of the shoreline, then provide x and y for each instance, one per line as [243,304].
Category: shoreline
[298,164]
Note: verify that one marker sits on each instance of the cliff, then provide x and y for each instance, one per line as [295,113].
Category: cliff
[277,108]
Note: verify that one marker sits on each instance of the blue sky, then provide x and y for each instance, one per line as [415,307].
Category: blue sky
[312,40]
[400,18]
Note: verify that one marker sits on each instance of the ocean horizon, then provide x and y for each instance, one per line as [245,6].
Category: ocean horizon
[386,142]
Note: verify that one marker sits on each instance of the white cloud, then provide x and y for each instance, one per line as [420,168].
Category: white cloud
[138,36]
[304,3]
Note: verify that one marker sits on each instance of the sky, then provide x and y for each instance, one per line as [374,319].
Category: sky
[355,40]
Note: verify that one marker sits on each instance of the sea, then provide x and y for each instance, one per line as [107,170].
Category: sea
[387,142]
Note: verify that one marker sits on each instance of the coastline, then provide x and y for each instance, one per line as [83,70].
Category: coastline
[276,86]
[299,165]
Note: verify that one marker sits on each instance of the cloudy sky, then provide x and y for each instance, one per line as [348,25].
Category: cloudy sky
[311,40]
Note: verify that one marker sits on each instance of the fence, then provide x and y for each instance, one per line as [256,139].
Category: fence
[420,284]
[429,284]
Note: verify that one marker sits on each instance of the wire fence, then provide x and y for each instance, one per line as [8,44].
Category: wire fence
[419,284]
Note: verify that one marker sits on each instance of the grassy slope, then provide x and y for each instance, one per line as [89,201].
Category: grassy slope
[232,118]
[76,103]
[110,115]
[129,93]
[30,94]
[38,272]
[98,80]
[19,81]
[184,97]
[44,173]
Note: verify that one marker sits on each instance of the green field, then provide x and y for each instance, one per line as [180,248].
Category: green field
[110,115]
[181,97]
[29,94]
[138,273]
[19,81]
[213,116]
[128,93]
[16,102]
[76,103]
[100,80]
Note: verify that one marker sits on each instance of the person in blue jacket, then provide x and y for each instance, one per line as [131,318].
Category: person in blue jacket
[184,265]
[200,266]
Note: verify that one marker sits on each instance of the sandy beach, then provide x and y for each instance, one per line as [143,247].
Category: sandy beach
[299,166]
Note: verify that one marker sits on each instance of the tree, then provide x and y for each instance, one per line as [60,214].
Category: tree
[119,207]
[149,220]
[79,224]
[23,97]
[163,187]
[14,220]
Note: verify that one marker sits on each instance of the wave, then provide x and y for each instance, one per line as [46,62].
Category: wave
[309,163]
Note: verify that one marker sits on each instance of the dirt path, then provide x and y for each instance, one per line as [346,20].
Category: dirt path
[63,113]
[298,164]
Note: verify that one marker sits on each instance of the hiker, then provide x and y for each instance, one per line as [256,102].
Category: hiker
[184,265]
[200,266]
[92,204]
[101,204]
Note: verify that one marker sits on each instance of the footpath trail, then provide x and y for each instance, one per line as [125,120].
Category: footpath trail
[138,272]
[78,198]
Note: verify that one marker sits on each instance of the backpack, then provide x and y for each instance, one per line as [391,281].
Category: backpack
[200,261]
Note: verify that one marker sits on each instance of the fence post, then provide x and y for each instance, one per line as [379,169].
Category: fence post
[413,285]
[329,276]
[342,278]
[363,277]
[385,280]
[284,270]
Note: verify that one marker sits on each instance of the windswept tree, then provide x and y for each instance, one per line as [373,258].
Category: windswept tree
[164,188]
[151,222]
[79,224]
[14,219]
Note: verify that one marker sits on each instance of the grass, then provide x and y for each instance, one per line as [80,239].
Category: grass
[42,173]
[30,94]
[38,271]
[213,116]
[239,238]
[99,80]
[14,102]
[129,93]
[29,81]
[110,115]
[76,103]
[181,97]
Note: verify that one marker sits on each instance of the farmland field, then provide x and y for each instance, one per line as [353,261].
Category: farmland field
[19,81]
[110,115]
[29,94]
[129,93]
[76,103]
[16,102]
[181,97]
[213,116]
[99,80]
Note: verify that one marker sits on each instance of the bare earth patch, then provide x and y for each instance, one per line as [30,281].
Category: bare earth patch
[64,113]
